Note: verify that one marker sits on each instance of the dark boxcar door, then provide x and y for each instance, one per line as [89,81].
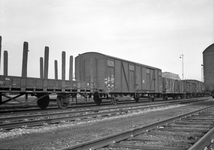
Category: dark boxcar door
[150,79]
[131,78]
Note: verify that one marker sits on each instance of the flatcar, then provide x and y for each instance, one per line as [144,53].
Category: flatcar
[208,69]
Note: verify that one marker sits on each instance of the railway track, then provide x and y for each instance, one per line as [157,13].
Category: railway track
[14,109]
[11,122]
[192,131]
[89,105]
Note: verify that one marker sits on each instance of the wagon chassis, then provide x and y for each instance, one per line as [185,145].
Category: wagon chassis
[42,98]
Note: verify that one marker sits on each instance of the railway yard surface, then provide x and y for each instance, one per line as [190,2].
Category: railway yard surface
[68,133]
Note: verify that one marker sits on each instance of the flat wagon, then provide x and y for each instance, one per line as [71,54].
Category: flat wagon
[41,87]
[114,77]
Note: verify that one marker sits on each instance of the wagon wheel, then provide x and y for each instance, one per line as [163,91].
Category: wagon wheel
[113,101]
[97,98]
[98,101]
[165,97]
[136,99]
[43,102]
[62,101]
[151,99]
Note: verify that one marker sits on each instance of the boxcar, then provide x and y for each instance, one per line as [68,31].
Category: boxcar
[193,88]
[197,88]
[208,65]
[113,77]
[172,85]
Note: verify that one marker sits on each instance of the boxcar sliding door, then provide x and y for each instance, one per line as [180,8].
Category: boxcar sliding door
[131,78]
[110,78]
[150,77]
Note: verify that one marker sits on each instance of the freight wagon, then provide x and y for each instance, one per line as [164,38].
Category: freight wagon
[42,87]
[208,67]
[114,77]
[172,86]
[196,88]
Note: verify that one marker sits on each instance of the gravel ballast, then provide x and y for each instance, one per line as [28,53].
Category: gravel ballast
[52,137]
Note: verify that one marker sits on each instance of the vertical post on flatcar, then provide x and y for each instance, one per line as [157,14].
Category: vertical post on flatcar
[63,65]
[5,63]
[24,67]
[56,73]
[41,68]
[24,70]
[71,69]
[56,69]
[24,60]
[46,62]
[63,71]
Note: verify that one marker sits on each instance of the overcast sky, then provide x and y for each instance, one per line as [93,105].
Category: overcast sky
[151,32]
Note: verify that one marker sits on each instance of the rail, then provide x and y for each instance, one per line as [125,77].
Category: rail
[113,140]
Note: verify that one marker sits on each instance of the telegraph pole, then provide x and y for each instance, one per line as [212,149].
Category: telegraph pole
[182,57]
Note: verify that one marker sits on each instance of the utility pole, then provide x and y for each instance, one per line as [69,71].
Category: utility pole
[182,57]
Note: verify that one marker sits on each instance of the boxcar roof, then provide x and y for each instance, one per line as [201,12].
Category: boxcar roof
[209,49]
[123,60]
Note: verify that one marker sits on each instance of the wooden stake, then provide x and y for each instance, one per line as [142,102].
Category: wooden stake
[41,68]
[63,65]
[46,62]
[5,63]
[56,69]
[71,69]
[24,60]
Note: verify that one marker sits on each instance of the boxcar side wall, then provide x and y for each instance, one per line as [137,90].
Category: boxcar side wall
[115,75]
[208,61]
[208,68]
[131,77]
